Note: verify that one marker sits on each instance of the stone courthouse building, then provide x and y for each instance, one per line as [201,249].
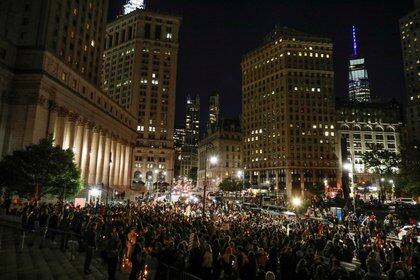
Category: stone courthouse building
[50,61]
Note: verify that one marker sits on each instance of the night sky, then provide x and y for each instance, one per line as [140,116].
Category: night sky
[215,35]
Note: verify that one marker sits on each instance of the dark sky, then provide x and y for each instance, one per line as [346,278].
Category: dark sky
[215,35]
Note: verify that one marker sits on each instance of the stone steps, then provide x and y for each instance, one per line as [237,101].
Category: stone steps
[48,262]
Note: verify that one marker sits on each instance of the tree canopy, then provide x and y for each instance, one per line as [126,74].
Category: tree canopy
[229,185]
[381,161]
[409,177]
[42,168]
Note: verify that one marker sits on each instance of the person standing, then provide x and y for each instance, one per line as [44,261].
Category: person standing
[91,245]
[113,250]
[138,259]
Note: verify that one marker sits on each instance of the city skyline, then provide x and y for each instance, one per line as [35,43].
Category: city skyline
[213,65]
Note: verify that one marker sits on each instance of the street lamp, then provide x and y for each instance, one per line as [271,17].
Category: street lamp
[241,174]
[296,201]
[349,167]
[212,160]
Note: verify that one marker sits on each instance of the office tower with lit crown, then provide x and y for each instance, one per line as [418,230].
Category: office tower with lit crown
[50,57]
[192,121]
[188,159]
[214,110]
[289,135]
[179,135]
[139,72]
[359,90]
[410,30]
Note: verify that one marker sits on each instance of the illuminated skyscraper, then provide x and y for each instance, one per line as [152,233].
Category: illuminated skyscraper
[410,30]
[214,110]
[190,143]
[359,89]
[192,121]
[139,72]
[289,135]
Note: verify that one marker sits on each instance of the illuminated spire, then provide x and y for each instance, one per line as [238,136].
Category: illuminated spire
[132,5]
[354,41]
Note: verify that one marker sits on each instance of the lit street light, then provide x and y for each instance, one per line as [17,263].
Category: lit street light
[212,160]
[296,202]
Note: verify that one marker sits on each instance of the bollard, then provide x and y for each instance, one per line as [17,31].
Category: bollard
[23,240]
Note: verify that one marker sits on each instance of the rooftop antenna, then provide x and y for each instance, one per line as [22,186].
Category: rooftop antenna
[132,5]
[354,41]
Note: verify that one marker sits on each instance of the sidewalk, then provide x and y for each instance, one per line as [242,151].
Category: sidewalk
[46,263]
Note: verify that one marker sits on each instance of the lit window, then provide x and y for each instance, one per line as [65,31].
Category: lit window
[92,43]
[168,35]
[326,133]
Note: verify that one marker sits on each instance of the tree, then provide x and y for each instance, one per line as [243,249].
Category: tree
[383,163]
[42,169]
[229,185]
[408,180]
[192,174]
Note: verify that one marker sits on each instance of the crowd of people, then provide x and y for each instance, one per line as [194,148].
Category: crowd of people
[147,238]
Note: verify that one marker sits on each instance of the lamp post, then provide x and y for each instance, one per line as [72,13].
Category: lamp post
[349,167]
[213,160]
[241,174]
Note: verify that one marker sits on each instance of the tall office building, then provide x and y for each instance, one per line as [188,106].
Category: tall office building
[71,30]
[225,142]
[214,110]
[288,112]
[179,135]
[139,72]
[50,56]
[192,121]
[359,89]
[410,30]
[188,157]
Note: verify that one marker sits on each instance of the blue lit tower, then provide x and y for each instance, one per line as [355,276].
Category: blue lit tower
[359,90]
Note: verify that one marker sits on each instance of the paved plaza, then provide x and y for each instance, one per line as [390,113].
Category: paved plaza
[46,263]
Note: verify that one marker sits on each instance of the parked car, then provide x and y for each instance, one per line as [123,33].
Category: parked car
[405,200]
[406,229]
[273,210]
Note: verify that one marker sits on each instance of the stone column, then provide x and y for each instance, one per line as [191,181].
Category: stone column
[59,127]
[112,151]
[69,131]
[127,164]
[93,157]
[105,162]
[116,163]
[122,159]
[78,143]
[86,151]
[288,183]
[100,158]
[302,183]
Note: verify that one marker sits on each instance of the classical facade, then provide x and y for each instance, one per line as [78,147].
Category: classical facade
[288,112]
[48,67]
[363,125]
[224,142]
[410,29]
[139,73]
